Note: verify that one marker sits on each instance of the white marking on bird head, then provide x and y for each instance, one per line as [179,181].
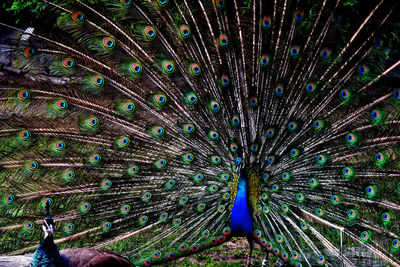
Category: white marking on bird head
[48,229]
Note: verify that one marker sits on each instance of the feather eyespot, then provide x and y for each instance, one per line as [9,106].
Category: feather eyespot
[189,128]
[24,135]
[188,158]
[149,32]
[195,69]
[275,187]
[213,135]
[223,40]
[68,63]
[95,159]
[313,182]
[216,160]
[29,51]
[69,228]
[184,31]
[161,163]
[235,120]
[226,196]
[177,222]
[133,170]
[143,220]
[319,212]
[220,4]
[162,3]
[266,22]
[106,184]
[183,200]
[233,147]
[285,176]
[318,125]
[321,260]
[198,177]
[156,254]
[8,199]
[213,188]
[97,80]
[270,132]
[325,53]
[61,105]
[163,217]
[59,146]
[214,106]
[285,208]
[191,98]
[292,126]
[146,197]
[170,184]
[32,165]
[335,200]
[363,70]
[168,67]
[23,95]
[396,244]
[125,209]
[68,175]
[279,90]
[310,87]
[224,80]
[294,153]
[158,131]
[78,16]
[126,3]
[136,69]
[28,226]
[270,159]
[85,207]
[160,100]
[295,51]
[348,172]
[264,60]
[365,236]
[108,42]
[299,15]
[200,208]
[300,197]
[253,102]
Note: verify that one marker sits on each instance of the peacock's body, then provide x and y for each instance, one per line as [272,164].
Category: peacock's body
[163,128]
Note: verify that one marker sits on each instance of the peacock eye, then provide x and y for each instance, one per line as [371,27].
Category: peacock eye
[126,3]
[184,31]
[149,32]
[162,3]
[294,51]
[168,67]
[108,42]
[299,15]
[78,16]
[223,40]
[266,22]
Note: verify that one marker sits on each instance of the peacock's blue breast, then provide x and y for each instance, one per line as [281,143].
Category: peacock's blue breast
[241,219]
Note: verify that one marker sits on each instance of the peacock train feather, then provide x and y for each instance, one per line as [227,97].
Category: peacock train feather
[162,128]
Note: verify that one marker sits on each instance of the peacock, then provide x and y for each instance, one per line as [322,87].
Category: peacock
[162,128]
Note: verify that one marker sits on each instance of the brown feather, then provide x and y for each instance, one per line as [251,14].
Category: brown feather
[87,257]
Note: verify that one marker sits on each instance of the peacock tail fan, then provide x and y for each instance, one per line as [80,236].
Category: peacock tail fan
[128,117]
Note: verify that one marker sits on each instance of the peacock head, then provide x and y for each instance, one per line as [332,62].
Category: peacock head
[239,165]
[48,226]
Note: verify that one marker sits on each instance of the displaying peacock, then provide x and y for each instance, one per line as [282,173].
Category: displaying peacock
[161,128]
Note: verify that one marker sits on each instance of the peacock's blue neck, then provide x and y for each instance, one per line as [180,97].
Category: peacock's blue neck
[241,216]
